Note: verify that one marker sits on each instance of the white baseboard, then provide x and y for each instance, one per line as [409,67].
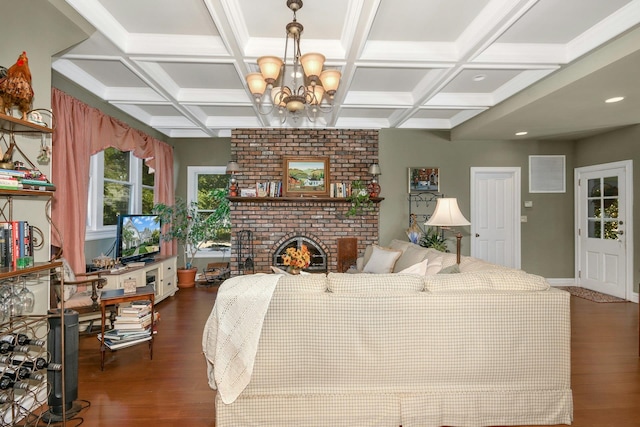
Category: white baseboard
[569,281]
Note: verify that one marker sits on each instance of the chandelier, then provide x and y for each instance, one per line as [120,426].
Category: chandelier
[295,87]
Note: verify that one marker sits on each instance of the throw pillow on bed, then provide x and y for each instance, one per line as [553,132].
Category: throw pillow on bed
[382,260]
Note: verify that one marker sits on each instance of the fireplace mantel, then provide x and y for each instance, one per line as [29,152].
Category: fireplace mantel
[297,199]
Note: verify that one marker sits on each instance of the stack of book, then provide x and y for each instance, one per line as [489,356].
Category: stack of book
[16,179]
[133,325]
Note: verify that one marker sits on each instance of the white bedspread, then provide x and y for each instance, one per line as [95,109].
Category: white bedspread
[232,332]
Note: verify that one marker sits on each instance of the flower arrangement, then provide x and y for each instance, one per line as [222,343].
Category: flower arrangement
[297,259]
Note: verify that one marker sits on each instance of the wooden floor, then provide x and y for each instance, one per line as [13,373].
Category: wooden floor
[171,389]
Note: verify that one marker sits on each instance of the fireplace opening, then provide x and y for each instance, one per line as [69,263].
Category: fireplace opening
[319,256]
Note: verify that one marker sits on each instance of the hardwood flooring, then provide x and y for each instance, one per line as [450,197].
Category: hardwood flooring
[171,389]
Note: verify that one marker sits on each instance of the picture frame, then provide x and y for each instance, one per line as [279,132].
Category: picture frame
[424,179]
[305,176]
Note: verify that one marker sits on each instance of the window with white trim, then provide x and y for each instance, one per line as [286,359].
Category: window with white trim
[119,183]
[201,182]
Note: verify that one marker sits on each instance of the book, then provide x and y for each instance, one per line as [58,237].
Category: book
[114,345]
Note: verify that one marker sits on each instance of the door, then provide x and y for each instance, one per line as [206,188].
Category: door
[603,237]
[495,215]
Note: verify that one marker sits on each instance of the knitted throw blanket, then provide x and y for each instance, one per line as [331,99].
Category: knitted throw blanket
[231,334]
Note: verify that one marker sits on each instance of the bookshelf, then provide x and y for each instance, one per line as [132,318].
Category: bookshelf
[33,321]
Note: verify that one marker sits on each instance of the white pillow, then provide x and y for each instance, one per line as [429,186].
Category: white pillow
[419,268]
[382,260]
[435,265]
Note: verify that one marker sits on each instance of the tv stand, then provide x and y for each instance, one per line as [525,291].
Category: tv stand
[161,268]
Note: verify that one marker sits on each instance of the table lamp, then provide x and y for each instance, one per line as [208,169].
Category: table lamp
[232,169]
[374,188]
[446,215]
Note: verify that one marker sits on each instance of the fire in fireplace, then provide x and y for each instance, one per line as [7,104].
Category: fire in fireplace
[318,253]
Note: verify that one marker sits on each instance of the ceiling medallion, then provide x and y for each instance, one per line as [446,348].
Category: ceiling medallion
[293,93]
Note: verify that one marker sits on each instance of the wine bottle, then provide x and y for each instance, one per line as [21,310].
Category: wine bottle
[7,347]
[11,379]
[23,339]
[35,365]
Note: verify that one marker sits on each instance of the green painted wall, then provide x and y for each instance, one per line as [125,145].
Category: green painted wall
[615,146]
[547,236]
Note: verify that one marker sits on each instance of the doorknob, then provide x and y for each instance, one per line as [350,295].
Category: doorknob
[477,235]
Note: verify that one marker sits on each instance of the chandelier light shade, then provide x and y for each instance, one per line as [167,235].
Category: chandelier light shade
[446,215]
[297,83]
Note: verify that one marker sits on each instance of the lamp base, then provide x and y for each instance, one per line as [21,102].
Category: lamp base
[458,241]
[374,189]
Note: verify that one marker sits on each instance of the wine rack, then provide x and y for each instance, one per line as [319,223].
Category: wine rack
[24,357]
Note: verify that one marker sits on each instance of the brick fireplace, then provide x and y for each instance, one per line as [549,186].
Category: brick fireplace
[260,153]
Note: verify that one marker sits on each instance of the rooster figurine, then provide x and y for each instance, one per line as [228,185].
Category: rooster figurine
[15,88]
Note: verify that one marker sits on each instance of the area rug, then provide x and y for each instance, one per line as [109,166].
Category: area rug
[590,295]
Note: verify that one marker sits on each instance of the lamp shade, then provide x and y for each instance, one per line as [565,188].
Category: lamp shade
[312,64]
[447,214]
[270,67]
[233,167]
[374,169]
[256,83]
[330,80]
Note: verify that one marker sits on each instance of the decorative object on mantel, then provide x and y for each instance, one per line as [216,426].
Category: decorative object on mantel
[192,229]
[424,179]
[374,187]
[305,176]
[446,215]
[232,169]
[359,199]
[287,91]
[414,232]
[296,260]
[15,87]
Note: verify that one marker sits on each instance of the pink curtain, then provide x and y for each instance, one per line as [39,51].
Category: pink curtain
[82,131]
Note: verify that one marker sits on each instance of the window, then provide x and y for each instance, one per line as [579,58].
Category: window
[119,183]
[201,182]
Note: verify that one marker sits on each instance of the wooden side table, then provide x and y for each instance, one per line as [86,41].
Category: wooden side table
[117,296]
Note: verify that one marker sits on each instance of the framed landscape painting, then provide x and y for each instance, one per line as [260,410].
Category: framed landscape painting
[305,176]
[424,179]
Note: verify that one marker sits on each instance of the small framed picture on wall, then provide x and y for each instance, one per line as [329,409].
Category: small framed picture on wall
[305,176]
[423,179]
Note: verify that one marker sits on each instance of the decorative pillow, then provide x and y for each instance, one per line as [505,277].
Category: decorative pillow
[452,269]
[410,256]
[69,276]
[434,266]
[419,268]
[302,283]
[374,283]
[382,260]
[502,279]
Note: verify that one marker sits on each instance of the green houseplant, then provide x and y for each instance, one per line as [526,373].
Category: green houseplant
[192,229]
[431,238]
[359,199]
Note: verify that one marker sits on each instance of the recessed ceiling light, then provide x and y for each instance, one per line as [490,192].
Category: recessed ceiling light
[479,77]
[521,133]
[614,99]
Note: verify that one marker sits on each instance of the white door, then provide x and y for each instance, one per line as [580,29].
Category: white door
[603,234]
[495,215]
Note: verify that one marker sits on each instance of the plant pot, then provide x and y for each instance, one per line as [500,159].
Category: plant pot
[187,277]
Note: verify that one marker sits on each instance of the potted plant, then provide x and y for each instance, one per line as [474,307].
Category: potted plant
[431,238]
[192,229]
[359,199]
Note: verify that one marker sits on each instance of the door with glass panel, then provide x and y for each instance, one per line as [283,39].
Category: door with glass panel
[602,232]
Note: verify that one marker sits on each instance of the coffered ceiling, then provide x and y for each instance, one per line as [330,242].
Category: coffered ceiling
[465,66]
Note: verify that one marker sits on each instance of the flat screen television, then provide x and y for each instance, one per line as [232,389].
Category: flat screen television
[137,238]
